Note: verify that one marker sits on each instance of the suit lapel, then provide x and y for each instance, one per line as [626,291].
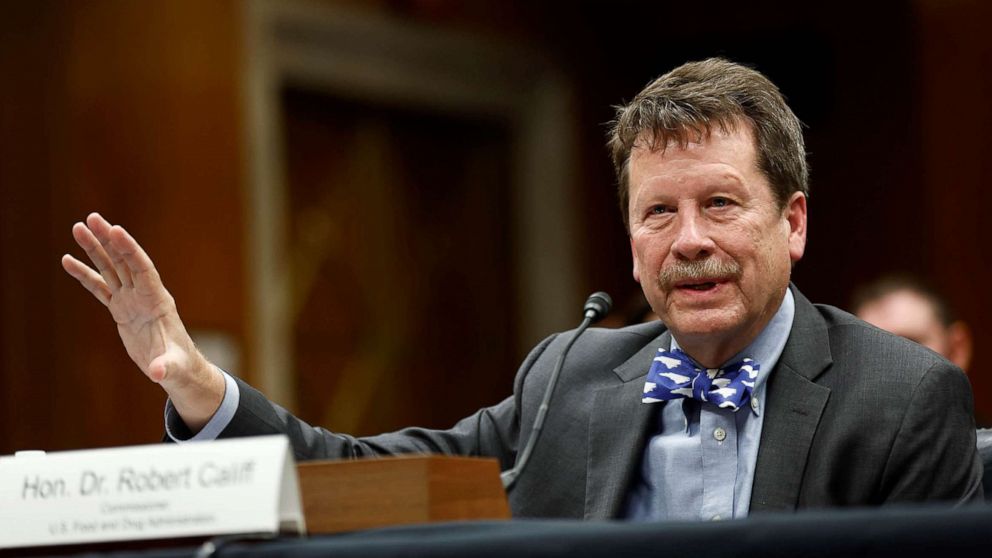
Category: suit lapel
[793,407]
[619,425]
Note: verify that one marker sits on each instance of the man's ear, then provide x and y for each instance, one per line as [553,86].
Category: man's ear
[959,345]
[633,256]
[795,214]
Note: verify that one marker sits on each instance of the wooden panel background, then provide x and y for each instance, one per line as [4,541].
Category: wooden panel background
[955,53]
[131,109]
[402,263]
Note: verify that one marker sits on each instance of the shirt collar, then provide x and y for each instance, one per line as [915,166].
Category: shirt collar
[767,347]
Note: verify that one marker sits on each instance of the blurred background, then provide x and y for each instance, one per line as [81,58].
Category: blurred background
[372,209]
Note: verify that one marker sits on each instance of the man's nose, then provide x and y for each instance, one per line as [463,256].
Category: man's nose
[692,238]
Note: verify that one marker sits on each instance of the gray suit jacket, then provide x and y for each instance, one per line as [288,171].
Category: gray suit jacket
[854,416]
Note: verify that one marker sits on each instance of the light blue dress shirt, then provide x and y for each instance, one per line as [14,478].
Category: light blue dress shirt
[700,462]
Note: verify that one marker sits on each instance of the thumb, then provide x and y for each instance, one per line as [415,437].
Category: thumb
[169,365]
[158,369]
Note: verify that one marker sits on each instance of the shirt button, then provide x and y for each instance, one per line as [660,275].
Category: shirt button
[720,434]
[754,404]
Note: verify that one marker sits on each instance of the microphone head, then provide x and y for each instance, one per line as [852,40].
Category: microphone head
[598,305]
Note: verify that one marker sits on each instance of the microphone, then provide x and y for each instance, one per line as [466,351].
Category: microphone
[597,306]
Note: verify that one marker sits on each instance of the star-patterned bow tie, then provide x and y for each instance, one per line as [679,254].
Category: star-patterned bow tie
[674,375]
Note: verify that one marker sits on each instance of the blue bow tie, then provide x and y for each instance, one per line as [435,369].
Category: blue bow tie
[674,375]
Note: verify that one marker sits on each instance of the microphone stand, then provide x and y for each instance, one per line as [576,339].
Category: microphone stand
[597,305]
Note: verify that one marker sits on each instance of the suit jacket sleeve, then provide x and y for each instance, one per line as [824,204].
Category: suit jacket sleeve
[491,431]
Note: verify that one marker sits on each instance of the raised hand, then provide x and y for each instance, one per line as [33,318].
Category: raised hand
[125,280]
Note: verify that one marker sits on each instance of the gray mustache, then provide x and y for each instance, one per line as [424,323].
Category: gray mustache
[694,270]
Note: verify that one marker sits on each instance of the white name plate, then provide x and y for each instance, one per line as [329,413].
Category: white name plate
[225,487]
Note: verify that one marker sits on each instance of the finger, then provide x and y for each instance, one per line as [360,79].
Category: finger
[91,280]
[120,266]
[89,242]
[140,266]
[101,229]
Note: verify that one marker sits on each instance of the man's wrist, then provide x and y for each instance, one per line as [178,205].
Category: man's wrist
[199,398]
[178,431]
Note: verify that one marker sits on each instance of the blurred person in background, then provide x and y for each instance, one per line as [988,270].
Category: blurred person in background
[911,308]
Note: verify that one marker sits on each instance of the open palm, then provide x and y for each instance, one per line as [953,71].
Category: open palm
[125,280]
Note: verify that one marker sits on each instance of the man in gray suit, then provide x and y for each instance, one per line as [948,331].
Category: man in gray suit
[745,397]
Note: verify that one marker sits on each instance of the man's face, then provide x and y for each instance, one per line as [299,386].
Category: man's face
[907,314]
[712,249]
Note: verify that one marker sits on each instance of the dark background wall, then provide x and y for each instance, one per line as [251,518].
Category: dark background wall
[133,109]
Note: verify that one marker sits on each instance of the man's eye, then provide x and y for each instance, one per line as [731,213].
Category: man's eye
[659,210]
[720,202]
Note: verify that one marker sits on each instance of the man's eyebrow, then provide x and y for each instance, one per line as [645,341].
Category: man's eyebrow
[718,182]
[729,177]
